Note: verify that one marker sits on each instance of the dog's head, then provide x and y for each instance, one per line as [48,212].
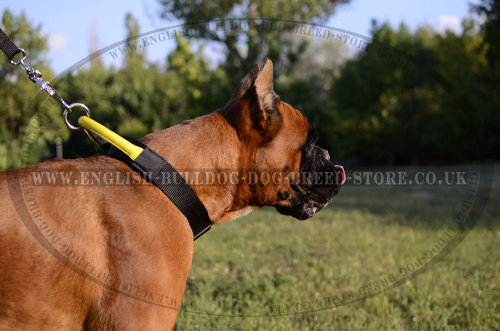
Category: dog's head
[280,160]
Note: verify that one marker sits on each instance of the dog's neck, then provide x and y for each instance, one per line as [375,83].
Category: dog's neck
[198,144]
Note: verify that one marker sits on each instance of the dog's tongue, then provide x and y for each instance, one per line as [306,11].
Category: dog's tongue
[342,171]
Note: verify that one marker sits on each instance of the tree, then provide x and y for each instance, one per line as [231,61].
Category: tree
[415,98]
[244,46]
[133,56]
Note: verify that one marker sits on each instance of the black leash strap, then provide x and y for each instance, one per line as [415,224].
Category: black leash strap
[156,170]
[8,47]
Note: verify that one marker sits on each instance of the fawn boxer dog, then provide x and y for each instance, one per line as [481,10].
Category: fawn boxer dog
[117,257]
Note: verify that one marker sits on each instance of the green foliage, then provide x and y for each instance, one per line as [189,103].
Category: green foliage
[416,98]
[193,72]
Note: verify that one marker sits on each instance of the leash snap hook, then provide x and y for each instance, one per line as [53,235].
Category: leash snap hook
[36,77]
[68,110]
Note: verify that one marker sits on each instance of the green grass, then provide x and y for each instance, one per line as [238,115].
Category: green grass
[263,261]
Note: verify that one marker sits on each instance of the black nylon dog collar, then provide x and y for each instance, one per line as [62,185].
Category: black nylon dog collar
[152,167]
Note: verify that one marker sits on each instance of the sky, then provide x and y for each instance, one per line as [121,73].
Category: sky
[71,24]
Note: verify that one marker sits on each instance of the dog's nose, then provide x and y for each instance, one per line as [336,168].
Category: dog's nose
[342,171]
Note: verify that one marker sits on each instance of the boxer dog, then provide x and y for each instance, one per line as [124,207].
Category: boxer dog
[116,257]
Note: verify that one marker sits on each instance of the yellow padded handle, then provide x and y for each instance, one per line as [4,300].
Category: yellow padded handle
[118,141]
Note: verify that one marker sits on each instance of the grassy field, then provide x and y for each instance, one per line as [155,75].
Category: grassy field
[266,264]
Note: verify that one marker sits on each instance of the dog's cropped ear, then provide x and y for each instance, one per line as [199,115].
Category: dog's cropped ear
[252,109]
[246,82]
[264,88]
[263,100]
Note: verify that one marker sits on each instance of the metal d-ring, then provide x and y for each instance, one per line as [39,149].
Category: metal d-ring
[69,109]
[21,60]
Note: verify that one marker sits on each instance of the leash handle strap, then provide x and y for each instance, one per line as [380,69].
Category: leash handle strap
[7,46]
[158,171]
